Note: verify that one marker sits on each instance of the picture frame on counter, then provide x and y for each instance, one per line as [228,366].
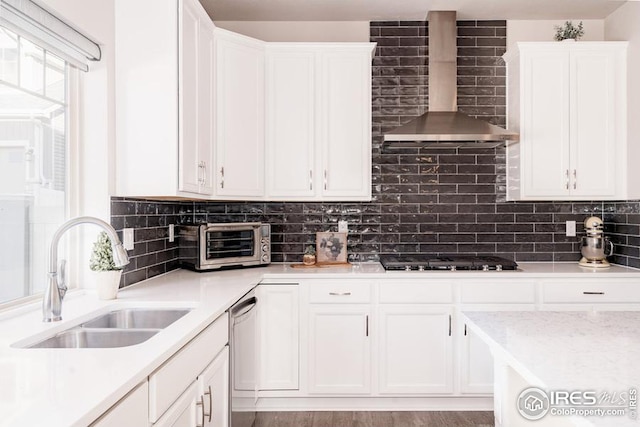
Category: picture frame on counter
[331,247]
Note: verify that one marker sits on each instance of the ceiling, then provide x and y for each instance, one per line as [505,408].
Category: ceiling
[392,10]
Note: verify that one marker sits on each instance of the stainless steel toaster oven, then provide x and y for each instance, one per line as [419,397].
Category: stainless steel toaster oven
[213,246]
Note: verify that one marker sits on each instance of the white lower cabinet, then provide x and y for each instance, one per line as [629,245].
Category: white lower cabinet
[475,359]
[182,413]
[175,395]
[213,392]
[278,321]
[132,410]
[415,349]
[339,349]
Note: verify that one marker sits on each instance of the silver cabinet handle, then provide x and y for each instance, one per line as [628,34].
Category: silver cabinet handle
[201,404]
[465,329]
[222,177]
[310,180]
[566,175]
[593,293]
[340,294]
[325,179]
[575,179]
[449,325]
[210,414]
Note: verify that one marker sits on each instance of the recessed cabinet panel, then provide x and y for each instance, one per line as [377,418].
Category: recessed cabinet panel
[240,115]
[339,349]
[345,129]
[290,100]
[545,131]
[593,114]
[279,337]
[415,350]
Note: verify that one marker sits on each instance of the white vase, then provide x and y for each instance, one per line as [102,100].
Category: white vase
[107,283]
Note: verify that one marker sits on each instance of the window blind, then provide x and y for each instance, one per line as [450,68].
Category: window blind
[33,21]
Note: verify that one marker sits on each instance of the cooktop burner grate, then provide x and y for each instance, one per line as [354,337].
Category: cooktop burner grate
[451,262]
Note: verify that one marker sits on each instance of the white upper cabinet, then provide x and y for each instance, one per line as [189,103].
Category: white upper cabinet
[568,101]
[239,115]
[318,128]
[164,99]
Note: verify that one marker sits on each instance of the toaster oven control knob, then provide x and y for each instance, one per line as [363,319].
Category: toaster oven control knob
[485,267]
[265,248]
[265,258]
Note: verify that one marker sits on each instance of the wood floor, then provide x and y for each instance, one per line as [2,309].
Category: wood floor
[374,419]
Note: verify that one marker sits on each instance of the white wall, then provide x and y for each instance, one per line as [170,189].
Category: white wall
[300,31]
[535,31]
[624,24]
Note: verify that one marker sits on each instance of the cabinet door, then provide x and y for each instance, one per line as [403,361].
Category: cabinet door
[545,124]
[339,349]
[196,97]
[183,411]
[239,115]
[593,122]
[189,173]
[278,321]
[206,99]
[132,410]
[476,369]
[290,125]
[213,390]
[415,353]
[345,124]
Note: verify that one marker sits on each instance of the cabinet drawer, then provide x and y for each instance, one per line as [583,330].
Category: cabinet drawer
[345,292]
[176,374]
[418,292]
[498,292]
[591,292]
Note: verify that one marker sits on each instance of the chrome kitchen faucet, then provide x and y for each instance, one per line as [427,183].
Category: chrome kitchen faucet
[56,287]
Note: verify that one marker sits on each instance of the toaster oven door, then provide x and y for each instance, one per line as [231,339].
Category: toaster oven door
[230,244]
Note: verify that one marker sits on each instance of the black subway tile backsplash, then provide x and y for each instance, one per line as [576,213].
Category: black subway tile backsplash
[434,201]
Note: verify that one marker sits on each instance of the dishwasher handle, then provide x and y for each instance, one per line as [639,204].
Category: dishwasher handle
[239,309]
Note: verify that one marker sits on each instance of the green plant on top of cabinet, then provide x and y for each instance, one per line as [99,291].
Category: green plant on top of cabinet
[568,101]
[318,127]
[164,99]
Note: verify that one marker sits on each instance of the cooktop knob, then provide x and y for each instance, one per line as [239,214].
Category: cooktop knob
[407,268]
[452,267]
[499,267]
[421,268]
[485,267]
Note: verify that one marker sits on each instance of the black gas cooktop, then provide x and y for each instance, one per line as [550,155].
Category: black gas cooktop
[452,262]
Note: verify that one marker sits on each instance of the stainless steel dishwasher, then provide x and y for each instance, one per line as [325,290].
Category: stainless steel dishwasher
[243,341]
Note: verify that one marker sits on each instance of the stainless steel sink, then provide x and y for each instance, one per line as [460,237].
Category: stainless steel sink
[137,318]
[96,338]
[118,328]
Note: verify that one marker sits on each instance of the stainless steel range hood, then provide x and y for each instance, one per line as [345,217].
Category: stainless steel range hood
[443,122]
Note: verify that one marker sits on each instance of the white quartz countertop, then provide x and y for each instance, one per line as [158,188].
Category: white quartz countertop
[73,387]
[571,351]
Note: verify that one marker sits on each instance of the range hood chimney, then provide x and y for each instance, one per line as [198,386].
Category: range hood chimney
[443,122]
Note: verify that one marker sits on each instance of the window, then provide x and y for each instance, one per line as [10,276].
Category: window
[33,161]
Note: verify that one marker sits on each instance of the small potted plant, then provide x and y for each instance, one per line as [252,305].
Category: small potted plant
[106,274]
[309,257]
[568,31]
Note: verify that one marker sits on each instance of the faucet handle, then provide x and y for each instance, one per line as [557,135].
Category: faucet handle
[62,277]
